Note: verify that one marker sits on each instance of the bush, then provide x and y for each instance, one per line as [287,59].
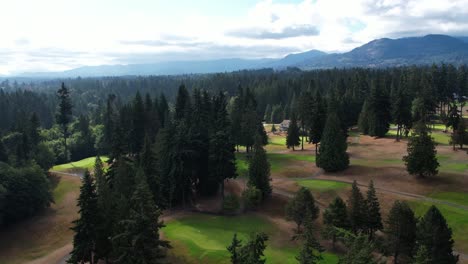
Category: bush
[252,198]
[231,204]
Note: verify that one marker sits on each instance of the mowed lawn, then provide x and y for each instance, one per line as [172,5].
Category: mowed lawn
[454,197]
[279,162]
[83,164]
[439,136]
[323,185]
[204,238]
[457,219]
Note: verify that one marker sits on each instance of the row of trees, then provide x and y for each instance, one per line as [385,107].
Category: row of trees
[404,237]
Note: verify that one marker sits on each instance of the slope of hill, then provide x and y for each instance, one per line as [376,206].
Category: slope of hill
[377,53]
[398,52]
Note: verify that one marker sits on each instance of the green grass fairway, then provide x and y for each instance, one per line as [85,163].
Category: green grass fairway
[457,219]
[242,165]
[454,197]
[83,164]
[280,161]
[439,136]
[447,163]
[63,188]
[204,238]
[322,185]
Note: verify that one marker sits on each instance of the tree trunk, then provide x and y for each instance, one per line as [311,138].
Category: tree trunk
[302,139]
[395,257]
[398,133]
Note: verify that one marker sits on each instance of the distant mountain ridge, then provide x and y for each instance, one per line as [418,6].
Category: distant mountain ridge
[383,52]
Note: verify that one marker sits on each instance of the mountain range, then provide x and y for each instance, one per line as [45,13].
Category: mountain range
[383,52]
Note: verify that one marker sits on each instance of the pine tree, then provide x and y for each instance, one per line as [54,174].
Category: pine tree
[401,231]
[138,240]
[221,158]
[332,154]
[422,256]
[311,249]
[33,130]
[182,107]
[356,209]
[293,139]
[234,249]
[373,217]
[360,250]
[305,113]
[421,159]
[259,170]
[3,152]
[299,206]
[460,135]
[252,251]
[336,215]
[267,115]
[137,132]
[221,161]
[317,120]
[148,162]
[434,234]
[401,107]
[85,227]
[64,115]
[105,219]
[379,111]
[363,122]
[273,128]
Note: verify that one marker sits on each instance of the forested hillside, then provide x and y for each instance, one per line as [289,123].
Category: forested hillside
[172,140]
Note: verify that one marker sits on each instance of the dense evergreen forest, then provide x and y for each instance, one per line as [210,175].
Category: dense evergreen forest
[172,139]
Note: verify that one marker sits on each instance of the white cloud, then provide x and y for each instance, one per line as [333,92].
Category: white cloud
[58,35]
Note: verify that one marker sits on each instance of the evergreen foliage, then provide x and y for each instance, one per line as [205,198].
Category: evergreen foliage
[335,216]
[434,234]
[86,226]
[356,209]
[137,239]
[332,154]
[372,208]
[293,139]
[421,159]
[401,232]
[300,206]
[259,170]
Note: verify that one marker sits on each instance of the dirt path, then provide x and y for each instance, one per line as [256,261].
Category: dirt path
[386,190]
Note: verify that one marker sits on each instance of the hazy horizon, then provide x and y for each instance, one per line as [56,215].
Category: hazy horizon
[55,35]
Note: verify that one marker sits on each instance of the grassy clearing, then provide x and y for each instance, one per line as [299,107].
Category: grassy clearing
[62,189]
[83,164]
[447,163]
[278,161]
[457,219]
[323,185]
[377,163]
[242,164]
[454,197]
[439,137]
[204,238]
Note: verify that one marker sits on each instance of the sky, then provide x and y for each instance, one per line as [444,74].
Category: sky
[57,35]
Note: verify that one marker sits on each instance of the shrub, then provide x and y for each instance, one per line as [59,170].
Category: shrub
[230,204]
[252,198]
